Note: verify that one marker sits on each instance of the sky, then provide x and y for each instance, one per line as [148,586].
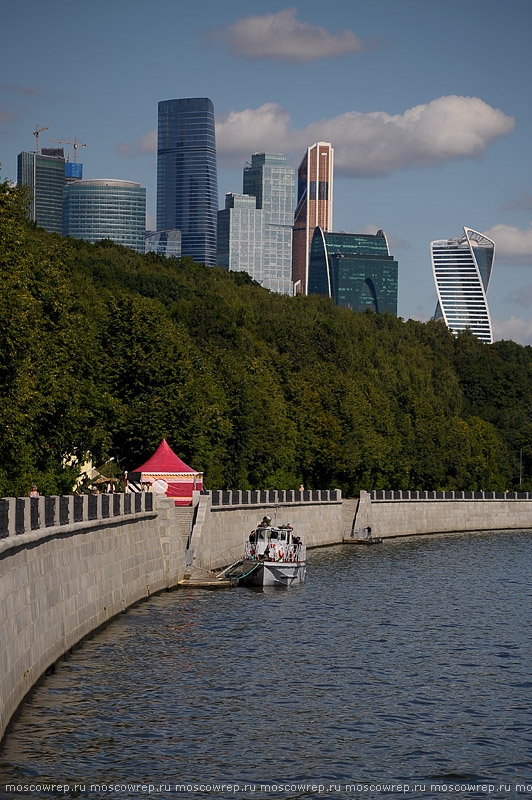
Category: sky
[427,104]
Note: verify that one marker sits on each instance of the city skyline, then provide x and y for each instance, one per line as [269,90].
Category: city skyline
[428,111]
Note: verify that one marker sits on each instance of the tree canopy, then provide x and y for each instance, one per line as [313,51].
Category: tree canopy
[104,351]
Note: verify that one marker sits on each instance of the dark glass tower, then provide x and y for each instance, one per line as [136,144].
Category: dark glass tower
[187,187]
[44,175]
[355,269]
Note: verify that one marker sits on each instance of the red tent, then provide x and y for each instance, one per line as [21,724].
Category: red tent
[169,475]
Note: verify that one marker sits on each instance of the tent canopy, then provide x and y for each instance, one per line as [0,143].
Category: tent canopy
[165,461]
[167,469]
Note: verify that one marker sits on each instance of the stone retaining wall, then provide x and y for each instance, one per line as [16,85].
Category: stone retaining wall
[408,513]
[225,519]
[61,579]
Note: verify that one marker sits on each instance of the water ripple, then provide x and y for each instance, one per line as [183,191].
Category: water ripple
[409,662]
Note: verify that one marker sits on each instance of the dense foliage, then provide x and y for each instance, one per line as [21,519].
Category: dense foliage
[105,351]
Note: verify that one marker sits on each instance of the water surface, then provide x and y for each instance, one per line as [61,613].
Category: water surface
[404,663]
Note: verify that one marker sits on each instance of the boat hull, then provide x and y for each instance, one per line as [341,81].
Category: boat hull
[276,573]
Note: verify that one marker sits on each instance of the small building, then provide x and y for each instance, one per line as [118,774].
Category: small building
[168,474]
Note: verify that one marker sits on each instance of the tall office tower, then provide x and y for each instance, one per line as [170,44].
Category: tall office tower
[241,235]
[314,207]
[44,175]
[106,209]
[355,269]
[272,183]
[165,243]
[462,271]
[187,187]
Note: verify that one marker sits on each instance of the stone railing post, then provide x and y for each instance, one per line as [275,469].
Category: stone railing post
[41,505]
[70,509]
[27,514]
[11,514]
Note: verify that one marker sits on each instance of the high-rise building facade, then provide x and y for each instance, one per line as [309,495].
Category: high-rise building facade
[106,209]
[44,175]
[164,243]
[241,235]
[187,187]
[272,183]
[314,207]
[462,271]
[356,270]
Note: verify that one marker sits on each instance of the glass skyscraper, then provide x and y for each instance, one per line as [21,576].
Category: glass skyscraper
[462,271]
[241,235]
[314,207]
[106,209]
[165,243]
[272,183]
[44,175]
[356,270]
[187,187]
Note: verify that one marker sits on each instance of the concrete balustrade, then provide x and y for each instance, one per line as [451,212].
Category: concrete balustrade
[407,513]
[24,515]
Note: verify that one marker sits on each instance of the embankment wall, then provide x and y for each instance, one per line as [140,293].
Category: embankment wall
[410,513]
[225,519]
[61,579]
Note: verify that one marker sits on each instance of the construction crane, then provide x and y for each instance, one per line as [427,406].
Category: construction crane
[75,145]
[36,133]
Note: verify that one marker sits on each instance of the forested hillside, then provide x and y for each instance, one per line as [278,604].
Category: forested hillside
[105,351]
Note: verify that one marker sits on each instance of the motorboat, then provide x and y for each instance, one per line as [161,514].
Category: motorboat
[273,556]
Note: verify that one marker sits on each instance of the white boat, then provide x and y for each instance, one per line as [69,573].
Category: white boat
[273,556]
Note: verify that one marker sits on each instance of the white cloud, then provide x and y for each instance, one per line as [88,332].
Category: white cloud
[511,243]
[366,145]
[377,143]
[445,129]
[516,329]
[254,130]
[282,37]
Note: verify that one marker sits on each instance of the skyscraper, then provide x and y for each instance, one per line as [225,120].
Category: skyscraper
[462,271]
[187,188]
[314,207]
[272,183]
[356,270]
[241,235]
[106,209]
[164,243]
[44,175]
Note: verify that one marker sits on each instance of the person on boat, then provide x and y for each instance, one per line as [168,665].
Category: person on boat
[252,537]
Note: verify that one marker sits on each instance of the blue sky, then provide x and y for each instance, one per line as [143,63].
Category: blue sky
[428,106]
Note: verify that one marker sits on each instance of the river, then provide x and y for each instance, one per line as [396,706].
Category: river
[402,669]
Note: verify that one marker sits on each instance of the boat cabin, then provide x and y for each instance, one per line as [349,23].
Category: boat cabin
[273,543]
